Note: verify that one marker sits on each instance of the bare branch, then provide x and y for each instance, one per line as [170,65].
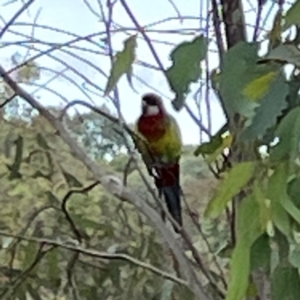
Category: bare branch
[14,18]
[113,186]
[158,61]
[97,254]
[65,211]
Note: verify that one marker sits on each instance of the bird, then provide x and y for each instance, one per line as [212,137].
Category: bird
[160,145]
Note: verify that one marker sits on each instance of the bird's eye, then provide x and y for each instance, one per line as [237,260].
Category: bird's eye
[150,100]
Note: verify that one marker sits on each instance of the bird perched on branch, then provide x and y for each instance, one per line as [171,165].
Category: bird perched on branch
[161,151]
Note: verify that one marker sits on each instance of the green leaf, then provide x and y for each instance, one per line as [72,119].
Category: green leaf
[293,191]
[292,15]
[271,106]
[276,31]
[237,71]
[291,208]
[264,206]
[42,142]
[294,256]
[282,247]
[281,219]
[231,185]
[122,64]
[239,273]
[209,147]
[226,143]
[21,291]
[261,253]
[71,180]
[15,167]
[260,86]
[167,289]
[31,251]
[248,230]
[285,283]
[53,269]
[288,134]
[248,221]
[277,186]
[52,199]
[284,54]
[6,241]
[185,69]
[33,292]
[216,144]
[86,223]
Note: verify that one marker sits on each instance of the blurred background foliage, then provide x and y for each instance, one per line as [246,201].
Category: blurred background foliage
[50,204]
[37,170]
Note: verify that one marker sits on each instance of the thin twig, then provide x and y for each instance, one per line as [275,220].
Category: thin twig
[97,254]
[15,16]
[114,186]
[157,59]
[65,210]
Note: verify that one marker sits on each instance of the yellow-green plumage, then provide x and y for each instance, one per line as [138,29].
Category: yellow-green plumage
[167,147]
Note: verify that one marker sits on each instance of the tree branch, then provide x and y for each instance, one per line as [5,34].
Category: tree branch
[114,186]
[97,254]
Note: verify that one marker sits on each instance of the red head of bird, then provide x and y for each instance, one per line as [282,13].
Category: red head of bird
[151,123]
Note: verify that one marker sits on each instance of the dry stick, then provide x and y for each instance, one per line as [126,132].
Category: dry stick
[122,29]
[207,77]
[180,229]
[8,291]
[153,51]
[108,22]
[198,226]
[258,19]
[170,19]
[136,138]
[62,74]
[157,59]
[70,43]
[217,26]
[14,18]
[61,61]
[6,101]
[31,217]
[114,186]
[176,10]
[65,210]
[32,32]
[52,49]
[97,254]
[68,67]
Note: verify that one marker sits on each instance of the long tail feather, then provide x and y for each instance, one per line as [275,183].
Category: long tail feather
[172,197]
[168,184]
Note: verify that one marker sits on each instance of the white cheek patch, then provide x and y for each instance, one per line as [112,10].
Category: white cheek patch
[152,110]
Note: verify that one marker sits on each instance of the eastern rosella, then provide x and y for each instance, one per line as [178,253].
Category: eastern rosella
[161,151]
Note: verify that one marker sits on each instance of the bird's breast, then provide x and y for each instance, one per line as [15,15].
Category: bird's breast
[152,128]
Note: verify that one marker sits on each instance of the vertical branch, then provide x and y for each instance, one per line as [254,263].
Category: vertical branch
[207,87]
[260,4]
[217,26]
[233,17]
[235,31]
